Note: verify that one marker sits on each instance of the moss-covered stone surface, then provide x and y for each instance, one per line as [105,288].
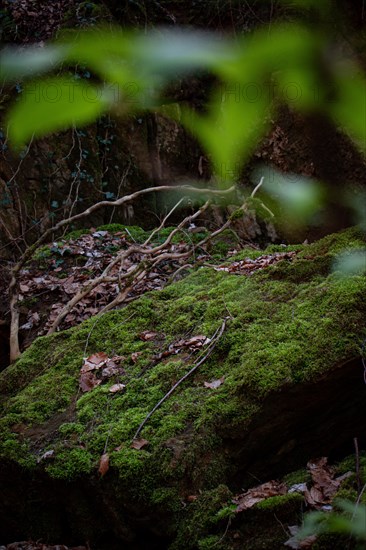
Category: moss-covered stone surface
[292,387]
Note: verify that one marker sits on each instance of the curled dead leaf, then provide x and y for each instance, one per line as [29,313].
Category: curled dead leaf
[256,494]
[139,444]
[116,388]
[98,358]
[88,381]
[295,542]
[197,341]
[46,456]
[103,464]
[95,361]
[214,384]
[148,335]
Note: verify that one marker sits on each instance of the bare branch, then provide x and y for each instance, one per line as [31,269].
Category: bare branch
[122,200]
[121,257]
[13,286]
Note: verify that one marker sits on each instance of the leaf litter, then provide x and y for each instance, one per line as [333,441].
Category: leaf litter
[318,495]
[99,368]
[65,268]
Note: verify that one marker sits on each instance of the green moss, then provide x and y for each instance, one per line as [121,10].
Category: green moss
[42,252]
[212,541]
[76,234]
[201,519]
[70,464]
[349,464]
[71,428]
[272,504]
[286,324]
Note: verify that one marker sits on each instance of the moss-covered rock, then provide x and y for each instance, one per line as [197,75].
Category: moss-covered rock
[290,349]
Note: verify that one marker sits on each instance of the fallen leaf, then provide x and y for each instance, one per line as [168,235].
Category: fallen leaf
[198,341]
[23,287]
[148,335]
[88,381]
[139,443]
[324,485]
[118,358]
[94,362]
[256,494]
[135,356]
[296,543]
[112,371]
[46,456]
[103,464]
[98,358]
[116,388]
[215,383]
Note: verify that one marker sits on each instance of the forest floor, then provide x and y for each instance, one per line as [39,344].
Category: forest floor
[175,420]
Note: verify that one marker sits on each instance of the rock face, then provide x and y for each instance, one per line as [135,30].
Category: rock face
[283,383]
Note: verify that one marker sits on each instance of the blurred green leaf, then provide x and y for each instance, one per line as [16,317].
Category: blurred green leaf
[352,521]
[280,66]
[19,63]
[297,196]
[348,107]
[175,52]
[351,263]
[54,104]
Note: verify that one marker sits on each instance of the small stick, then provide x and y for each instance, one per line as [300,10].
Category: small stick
[257,187]
[217,335]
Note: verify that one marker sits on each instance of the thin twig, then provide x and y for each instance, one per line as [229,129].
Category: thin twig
[257,187]
[133,271]
[163,222]
[217,335]
[225,533]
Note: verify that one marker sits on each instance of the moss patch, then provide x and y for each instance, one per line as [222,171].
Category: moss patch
[287,324]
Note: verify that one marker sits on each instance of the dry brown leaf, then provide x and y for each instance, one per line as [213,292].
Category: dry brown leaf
[103,464]
[98,358]
[139,444]
[324,485]
[118,359]
[116,388]
[197,341]
[88,381]
[148,335]
[135,356]
[215,383]
[94,362]
[107,372]
[256,494]
[314,496]
[23,287]
[295,543]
